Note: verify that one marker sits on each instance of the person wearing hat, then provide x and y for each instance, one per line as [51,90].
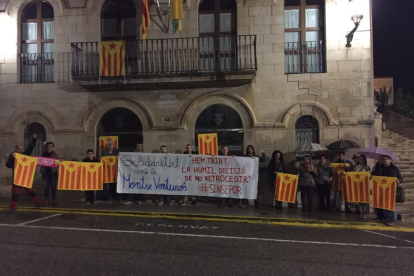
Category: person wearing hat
[50,175]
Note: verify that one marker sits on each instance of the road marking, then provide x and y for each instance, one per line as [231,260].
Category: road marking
[391,237]
[208,236]
[36,220]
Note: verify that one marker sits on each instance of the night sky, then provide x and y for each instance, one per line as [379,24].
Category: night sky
[393,22]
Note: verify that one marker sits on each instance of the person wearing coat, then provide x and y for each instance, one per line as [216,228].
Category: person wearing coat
[306,174]
[50,175]
[276,165]
[90,195]
[323,182]
[362,167]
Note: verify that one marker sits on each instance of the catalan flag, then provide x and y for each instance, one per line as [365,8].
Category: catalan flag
[207,144]
[145,18]
[110,169]
[356,187]
[177,15]
[384,192]
[70,176]
[286,187]
[112,59]
[104,139]
[92,176]
[338,169]
[24,170]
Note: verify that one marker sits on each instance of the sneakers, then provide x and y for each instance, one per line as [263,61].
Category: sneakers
[391,224]
[183,203]
[160,203]
[126,202]
[139,202]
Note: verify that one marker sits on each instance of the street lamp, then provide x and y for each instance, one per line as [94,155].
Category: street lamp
[357,20]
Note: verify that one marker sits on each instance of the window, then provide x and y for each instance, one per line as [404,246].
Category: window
[307,130]
[37,45]
[304,45]
[39,129]
[118,20]
[217,30]
[226,122]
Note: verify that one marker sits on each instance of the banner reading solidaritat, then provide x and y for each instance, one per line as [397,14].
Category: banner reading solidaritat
[338,169]
[384,192]
[24,170]
[178,174]
[286,187]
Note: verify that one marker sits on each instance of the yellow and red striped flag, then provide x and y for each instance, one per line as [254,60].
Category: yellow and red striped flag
[69,176]
[384,190]
[92,176]
[338,169]
[356,187]
[286,187]
[145,18]
[207,144]
[112,59]
[24,170]
[110,169]
[104,139]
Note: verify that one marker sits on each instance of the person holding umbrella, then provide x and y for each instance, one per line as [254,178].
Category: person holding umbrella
[306,174]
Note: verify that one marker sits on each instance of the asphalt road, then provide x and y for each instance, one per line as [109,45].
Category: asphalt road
[69,244]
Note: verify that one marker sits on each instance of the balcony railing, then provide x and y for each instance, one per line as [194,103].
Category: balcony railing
[160,58]
[304,57]
[36,68]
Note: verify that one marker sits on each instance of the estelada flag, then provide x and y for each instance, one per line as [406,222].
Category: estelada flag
[104,139]
[112,58]
[92,176]
[145,18]
[70,176]
[384,190]
[24,170]
[286,187]
[338,169]
[207,144]
[356,187]
[110,169]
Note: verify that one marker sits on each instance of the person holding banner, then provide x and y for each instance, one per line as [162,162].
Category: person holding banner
[17,189]
[337,199]
[110,188]
[189,151]
[164,199]
[361,166]
[90,195]
[276,165]
[323,182]
[226,201]
[307,173]
[50,175]
[138,198]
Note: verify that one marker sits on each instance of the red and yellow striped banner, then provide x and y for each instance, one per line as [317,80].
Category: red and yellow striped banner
[92,176]
[105,139]
[384,190]
[112,59]
[207,144]
[110,169]
[145,18]
[24,170]
[286,187]
[70,176]
[338,169]
[356,187]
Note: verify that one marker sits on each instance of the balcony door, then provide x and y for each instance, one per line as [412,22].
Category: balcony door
[217,31]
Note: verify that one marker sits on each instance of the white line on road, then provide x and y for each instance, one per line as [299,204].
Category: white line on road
[391,237]
[209,236]
[36,220]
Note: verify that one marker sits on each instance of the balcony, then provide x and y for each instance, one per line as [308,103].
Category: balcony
[36,68]
[165,63]
[305,57]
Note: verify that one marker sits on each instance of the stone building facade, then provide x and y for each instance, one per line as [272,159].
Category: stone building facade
[267,107]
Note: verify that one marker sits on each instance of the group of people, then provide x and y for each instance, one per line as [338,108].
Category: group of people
[311,177]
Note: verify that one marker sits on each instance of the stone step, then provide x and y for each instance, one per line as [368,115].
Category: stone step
[407,186]
[409,198]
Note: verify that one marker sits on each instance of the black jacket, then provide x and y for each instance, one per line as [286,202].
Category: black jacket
[275,167]
[89,160]
[28,151]
[390,171]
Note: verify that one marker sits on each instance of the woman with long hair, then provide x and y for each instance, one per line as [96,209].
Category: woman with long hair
[250,152]
[307,172]
[276,165]
[323,182]
[362,167]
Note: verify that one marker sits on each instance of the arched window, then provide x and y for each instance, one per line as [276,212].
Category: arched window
[226,122]
[307,130]
[217,30]
[118,20]
[37,44]
[123,123]
[39,129]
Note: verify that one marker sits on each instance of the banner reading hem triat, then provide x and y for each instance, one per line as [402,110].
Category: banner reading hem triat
[179,174]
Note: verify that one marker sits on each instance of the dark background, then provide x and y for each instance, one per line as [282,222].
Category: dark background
[393,25]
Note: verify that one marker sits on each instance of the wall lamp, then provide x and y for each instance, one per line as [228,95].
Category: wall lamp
[356,19]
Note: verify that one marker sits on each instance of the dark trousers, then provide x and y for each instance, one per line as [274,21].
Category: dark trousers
[324,197]
[89,196]
[306,195]
[15,196]
[50,184]
[110,191]
[227,201]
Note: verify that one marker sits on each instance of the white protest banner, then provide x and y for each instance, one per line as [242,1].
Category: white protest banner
[179,174]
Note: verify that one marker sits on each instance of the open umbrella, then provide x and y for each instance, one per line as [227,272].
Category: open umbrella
[343,145]
[310,148]
[375,152]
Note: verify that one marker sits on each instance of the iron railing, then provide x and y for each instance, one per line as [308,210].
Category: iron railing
[36,68]
[305,57]
[154,58]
